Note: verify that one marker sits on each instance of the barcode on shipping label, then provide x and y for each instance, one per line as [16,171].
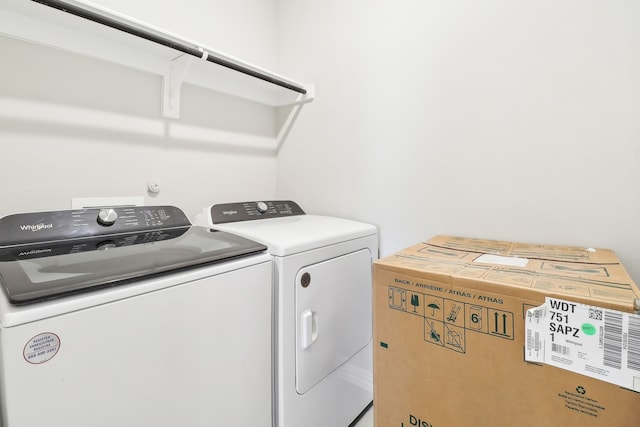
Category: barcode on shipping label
[592,341]
[534,346]
[533,340]
[561,349]
[633,344]
[594,313]
[612,340]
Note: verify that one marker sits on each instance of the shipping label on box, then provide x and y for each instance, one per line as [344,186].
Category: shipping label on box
[589,340]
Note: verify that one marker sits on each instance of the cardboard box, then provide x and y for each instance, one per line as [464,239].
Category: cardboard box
[449,336]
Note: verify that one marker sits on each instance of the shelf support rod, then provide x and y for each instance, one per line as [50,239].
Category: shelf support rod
[174,43]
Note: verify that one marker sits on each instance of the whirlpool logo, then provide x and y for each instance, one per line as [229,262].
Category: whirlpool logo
[36,227]
[229,213]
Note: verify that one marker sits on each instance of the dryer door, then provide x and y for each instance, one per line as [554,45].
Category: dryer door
[333,312]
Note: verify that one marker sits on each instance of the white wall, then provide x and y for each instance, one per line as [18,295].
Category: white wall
[495,119]
[499,119]
[72,126]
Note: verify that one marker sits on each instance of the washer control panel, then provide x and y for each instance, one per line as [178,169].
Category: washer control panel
[37,227]
[247,211]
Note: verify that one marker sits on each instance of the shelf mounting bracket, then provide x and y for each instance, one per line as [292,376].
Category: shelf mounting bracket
[172,85]
[293,115]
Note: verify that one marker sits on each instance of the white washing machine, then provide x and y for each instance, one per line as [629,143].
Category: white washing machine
[322,276]
[132,317]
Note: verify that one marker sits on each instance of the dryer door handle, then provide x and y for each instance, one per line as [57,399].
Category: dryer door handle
[309,328]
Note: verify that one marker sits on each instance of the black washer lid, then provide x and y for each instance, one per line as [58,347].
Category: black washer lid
[48,255]
[32,273]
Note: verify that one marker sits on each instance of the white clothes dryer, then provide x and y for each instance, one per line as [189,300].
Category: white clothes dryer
[323,307]
[132,317]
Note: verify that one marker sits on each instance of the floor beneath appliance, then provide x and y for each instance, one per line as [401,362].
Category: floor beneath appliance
[366,420]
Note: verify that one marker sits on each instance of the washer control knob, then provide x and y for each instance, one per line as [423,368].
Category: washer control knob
[261,207]
[107,217]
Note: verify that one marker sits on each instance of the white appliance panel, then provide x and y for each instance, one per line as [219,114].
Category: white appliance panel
[291,235]
[194,354]
[349,388]
[332,382]
[333,315]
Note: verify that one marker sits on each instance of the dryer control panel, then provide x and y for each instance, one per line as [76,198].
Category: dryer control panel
[247,211]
